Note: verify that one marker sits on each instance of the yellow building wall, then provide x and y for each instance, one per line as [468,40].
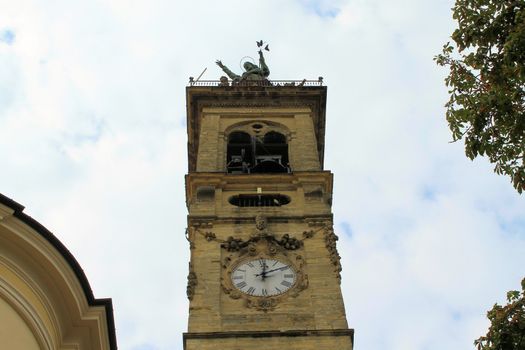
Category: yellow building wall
[15,334]
[43,304]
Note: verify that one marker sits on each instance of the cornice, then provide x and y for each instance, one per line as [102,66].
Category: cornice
[270,334]
[10,208]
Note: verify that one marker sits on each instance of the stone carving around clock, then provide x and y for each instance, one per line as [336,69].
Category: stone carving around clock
[264,269]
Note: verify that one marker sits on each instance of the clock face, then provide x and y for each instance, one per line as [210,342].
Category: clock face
[263,277]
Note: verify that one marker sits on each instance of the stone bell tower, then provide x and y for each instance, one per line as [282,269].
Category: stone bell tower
[264,269]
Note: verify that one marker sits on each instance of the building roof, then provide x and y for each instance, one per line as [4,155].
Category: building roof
[55,243]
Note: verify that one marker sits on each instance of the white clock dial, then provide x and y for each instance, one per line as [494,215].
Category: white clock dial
[263,277]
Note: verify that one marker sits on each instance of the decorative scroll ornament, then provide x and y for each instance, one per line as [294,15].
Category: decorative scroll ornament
[263,244]
[192,283]
[290,243]
[261,223]
[308,234]
[210,236]
[266,250]
[190,238]
[262,304]
[330,239]
[233,244]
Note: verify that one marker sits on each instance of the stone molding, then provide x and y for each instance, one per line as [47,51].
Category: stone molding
[43,282]
[268,334]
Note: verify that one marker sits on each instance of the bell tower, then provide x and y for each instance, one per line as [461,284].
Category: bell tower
[264,269]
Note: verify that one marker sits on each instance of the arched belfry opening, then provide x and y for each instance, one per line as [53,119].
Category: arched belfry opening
[257,153]
[240,152]
[271,154]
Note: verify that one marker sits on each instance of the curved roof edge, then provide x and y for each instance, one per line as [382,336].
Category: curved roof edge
[72,262]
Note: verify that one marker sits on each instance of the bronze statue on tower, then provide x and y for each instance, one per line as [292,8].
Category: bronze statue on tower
[252,72]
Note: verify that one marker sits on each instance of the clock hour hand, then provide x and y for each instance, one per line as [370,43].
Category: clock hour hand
[264,272]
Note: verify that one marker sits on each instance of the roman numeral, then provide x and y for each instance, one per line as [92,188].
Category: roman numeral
[238,277]
[284,268]
[250,290]
[286,283]
[250,264]
[241,285]
[288,275]
[264,292]
[277,289]
[275,263]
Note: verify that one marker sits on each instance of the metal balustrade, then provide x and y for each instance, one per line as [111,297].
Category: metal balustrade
[265,83]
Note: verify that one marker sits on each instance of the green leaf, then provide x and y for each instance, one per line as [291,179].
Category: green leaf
[486,83]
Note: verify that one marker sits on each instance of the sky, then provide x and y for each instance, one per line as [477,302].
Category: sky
[93,144]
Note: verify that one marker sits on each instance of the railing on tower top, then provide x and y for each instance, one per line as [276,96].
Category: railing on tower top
[271,83]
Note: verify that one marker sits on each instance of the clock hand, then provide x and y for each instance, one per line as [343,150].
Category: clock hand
[264,270]
[267,272]
[280,268]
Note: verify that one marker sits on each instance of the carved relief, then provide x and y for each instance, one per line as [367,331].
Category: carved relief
[190,237]
[261,223]
[330,239]
[265,248]
[233,244]
[192,283]
[290,243]
[262,304]
[303,283]
[308,234]
[210,236]
[264,244]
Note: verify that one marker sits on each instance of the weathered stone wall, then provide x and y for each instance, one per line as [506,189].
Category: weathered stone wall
[319,306]
[313,311]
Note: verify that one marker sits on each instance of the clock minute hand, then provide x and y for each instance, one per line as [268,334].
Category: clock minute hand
[280,268]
